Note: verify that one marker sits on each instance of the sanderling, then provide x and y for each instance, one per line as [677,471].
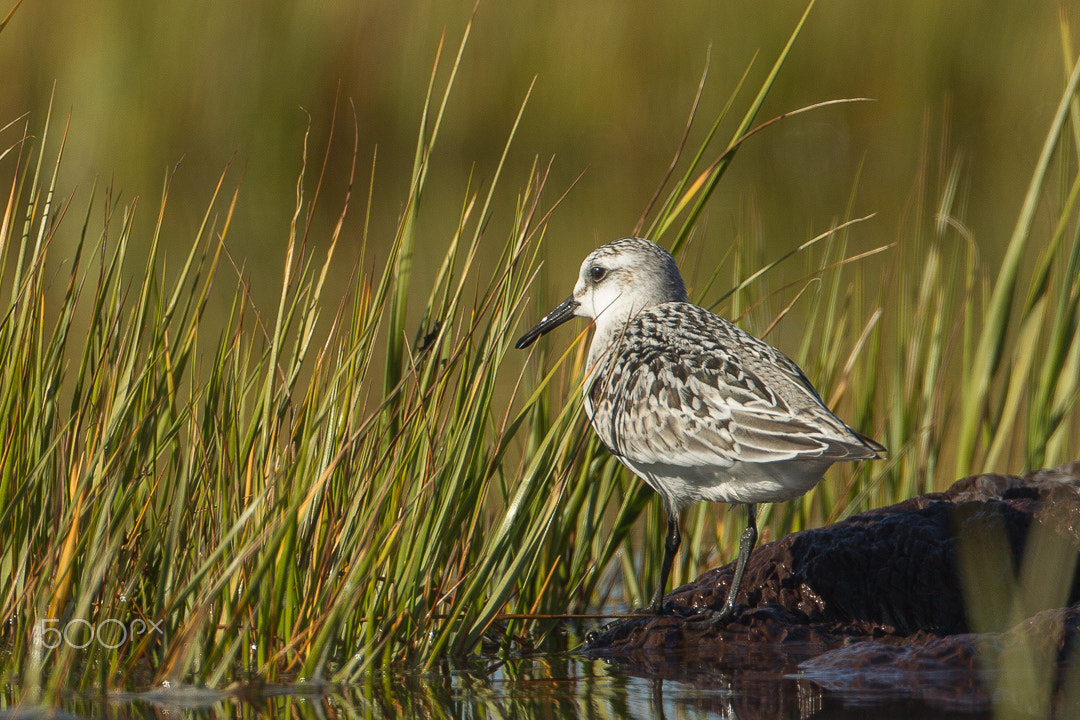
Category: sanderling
[694,406]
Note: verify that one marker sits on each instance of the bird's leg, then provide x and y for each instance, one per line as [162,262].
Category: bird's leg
[746,545]
[671,547]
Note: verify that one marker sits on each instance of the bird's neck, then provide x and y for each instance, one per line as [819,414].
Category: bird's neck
[609,329]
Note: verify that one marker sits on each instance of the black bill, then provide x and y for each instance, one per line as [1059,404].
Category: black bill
[552,320]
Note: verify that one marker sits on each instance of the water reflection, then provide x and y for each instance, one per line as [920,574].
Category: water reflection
[549,687]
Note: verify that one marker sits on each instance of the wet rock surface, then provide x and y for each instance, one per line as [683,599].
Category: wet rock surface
[949,599]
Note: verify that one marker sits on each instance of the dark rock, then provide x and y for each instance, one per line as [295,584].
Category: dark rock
[874,606]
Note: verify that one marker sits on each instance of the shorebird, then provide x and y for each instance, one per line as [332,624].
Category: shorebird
[694,406]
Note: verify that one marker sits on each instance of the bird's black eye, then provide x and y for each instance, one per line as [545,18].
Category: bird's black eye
[597,273]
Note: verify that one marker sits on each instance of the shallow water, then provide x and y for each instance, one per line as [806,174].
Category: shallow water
[549,687]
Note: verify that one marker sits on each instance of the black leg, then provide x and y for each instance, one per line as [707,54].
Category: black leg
[671,546]
[746,545]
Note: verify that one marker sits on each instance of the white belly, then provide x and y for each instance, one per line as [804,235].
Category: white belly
[743,482]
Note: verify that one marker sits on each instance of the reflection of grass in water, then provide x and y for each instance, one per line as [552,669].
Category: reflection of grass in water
[318,492]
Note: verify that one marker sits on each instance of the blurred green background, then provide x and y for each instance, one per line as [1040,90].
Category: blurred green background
[150,83]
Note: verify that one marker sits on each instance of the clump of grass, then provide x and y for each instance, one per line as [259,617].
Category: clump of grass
[311,495]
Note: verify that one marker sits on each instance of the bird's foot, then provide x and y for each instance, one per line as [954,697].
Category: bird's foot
[693,615]
[692,612]
[669,609]
[709,617]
